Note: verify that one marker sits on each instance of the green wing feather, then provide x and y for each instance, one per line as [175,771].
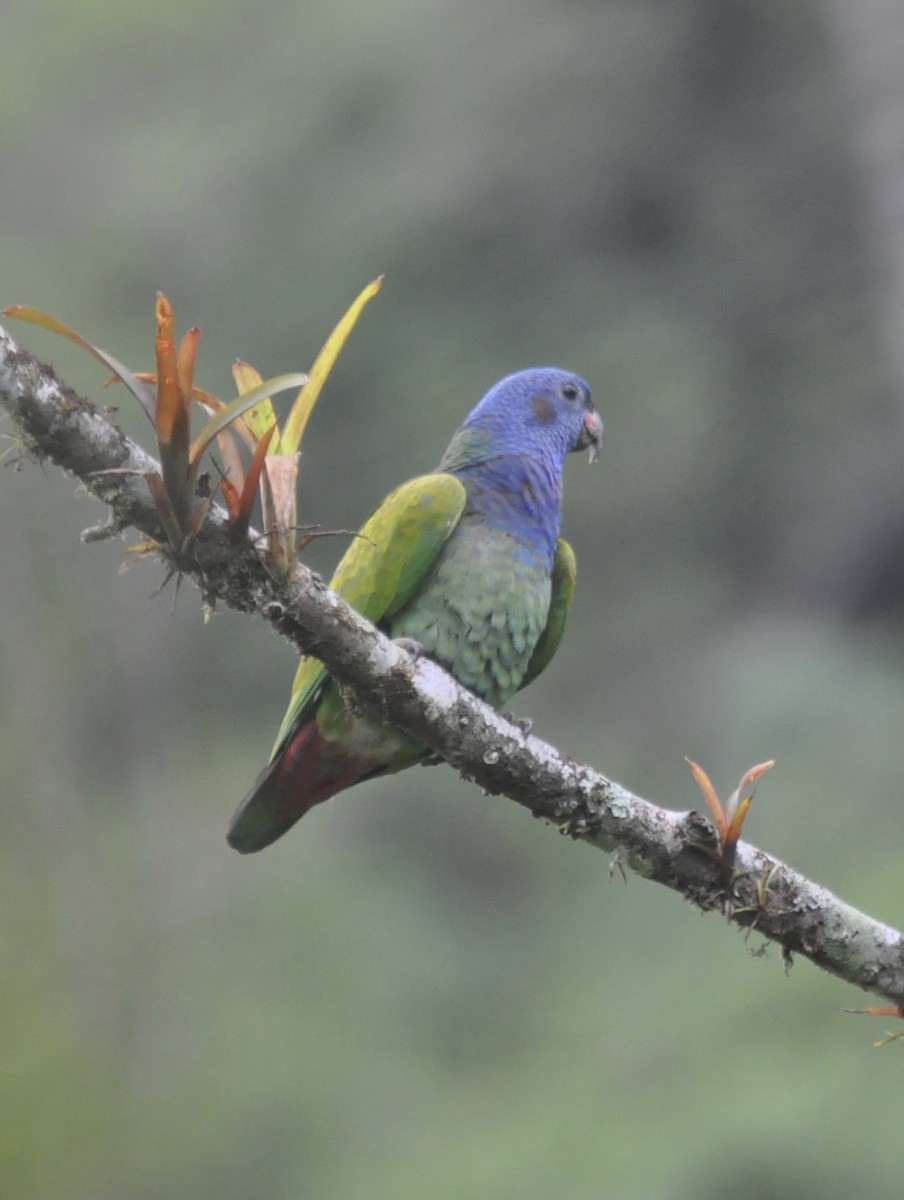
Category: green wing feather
[564,577]
[382,568]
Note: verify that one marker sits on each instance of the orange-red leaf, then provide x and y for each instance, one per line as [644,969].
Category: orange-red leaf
[242,518]
[232,498]
[171,408]
[713,803]
[877,1012]
[186,357]
[733,832]
[755,773]
[173,419]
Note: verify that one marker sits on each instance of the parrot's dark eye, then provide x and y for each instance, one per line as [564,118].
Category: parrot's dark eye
[570,392]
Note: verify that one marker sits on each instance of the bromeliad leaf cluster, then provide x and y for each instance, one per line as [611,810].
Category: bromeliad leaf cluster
[167,394]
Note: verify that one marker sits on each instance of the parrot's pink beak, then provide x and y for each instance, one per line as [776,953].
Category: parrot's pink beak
[592,435]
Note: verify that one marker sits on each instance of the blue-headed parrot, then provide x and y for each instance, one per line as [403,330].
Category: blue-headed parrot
[467,563]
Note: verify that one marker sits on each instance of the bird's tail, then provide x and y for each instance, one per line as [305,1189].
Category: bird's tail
[306,770]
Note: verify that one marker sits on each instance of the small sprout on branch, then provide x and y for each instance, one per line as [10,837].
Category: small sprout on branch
[729,820]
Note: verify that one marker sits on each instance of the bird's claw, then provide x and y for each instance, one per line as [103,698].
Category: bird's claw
[410,646]
[525,724]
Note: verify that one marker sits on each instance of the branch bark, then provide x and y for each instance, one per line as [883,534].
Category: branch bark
[761,893]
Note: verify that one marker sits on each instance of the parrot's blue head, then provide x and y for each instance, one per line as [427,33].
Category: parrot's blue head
[542,412]
[510,451]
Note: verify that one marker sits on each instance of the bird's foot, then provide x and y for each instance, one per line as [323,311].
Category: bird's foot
[525,724]
[410,646]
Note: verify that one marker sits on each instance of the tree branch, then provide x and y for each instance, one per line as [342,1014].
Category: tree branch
[761,892]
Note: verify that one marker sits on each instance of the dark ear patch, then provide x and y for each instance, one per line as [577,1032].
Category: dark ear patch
[544,409]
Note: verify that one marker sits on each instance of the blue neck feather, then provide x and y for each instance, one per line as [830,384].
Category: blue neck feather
[518,495]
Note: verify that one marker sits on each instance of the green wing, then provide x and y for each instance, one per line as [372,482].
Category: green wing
[382,568]
[564,575]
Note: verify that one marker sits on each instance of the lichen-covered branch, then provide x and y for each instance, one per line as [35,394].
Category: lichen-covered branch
[669,847]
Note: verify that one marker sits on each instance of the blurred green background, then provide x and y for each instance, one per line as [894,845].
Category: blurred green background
[420,991]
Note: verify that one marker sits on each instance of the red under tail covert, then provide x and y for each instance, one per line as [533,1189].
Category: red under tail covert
[308,770]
